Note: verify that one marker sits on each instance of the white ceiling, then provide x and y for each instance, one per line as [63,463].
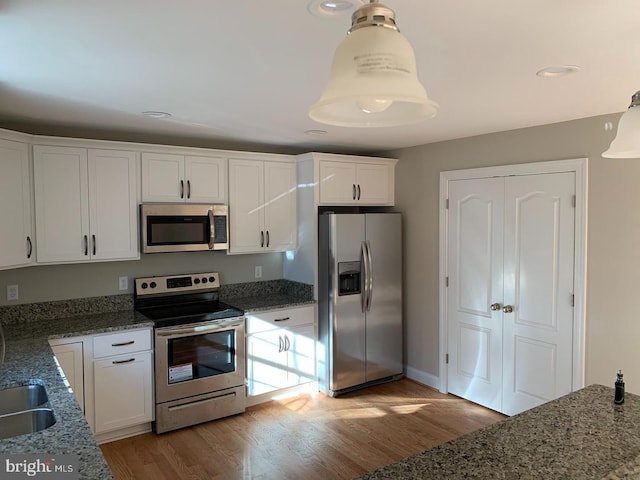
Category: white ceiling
[246,71]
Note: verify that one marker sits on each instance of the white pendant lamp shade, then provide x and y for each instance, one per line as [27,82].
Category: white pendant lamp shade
[627,141]
[373,79]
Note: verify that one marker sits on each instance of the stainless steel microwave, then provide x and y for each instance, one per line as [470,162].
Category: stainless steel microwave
[183,227]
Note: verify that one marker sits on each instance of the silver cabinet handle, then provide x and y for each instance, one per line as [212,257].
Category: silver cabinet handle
[358,191]
[188,188]
[280,344]
[93,240]
[284,319]
[287,343]
[181,188]
[86,245]
[354,191]
[507,309]
[495,307]
[118,362]
[30,245]
[261,239]
[267,238]
[123,344]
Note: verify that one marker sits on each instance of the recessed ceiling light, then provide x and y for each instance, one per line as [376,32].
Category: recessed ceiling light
[315,132]
[557,71]
[333,7]
[153,114]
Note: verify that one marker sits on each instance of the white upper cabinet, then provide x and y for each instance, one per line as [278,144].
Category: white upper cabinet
[262,206]
[86,204]
[345,181]
[183,178]
[16,235]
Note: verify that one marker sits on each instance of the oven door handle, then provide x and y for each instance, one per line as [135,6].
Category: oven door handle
[170,332]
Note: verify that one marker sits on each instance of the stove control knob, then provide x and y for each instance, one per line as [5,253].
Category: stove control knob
[212,279]
[153,284]
[204,279]
[196,281]
[144,285]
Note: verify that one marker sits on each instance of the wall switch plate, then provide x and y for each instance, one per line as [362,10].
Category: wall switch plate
[12,292]
[259,271]
[123,283]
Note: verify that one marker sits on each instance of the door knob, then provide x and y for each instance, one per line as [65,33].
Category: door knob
[495,307]
[507,309]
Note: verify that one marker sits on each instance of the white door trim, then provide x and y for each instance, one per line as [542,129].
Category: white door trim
[580,167]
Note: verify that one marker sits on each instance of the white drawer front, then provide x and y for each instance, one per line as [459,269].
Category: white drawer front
[122,342]
[291,317]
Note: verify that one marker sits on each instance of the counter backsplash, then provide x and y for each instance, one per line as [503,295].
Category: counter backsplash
[42,311]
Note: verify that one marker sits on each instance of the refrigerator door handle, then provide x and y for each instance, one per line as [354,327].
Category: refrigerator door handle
[369,276]
[365,275]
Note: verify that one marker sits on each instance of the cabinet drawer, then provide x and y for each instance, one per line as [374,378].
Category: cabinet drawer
[121,342]
[291,317]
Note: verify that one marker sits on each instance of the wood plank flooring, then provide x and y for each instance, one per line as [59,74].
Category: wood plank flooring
[307,436]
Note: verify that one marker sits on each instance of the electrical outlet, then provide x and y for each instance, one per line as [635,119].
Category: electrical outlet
[12,292]
[123,282]
[259,271]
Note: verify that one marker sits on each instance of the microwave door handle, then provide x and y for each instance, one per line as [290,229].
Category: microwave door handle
[212,230]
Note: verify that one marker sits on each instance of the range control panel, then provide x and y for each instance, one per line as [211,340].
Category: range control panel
[193,282]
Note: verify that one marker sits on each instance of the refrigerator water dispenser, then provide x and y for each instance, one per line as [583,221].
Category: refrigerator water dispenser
[348,278]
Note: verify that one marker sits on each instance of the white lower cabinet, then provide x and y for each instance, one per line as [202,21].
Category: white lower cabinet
[112,378]
[70,360]
[123,391]
[280,350]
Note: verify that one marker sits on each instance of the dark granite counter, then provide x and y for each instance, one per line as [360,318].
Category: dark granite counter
[582,435]
[29,359]
[270,295]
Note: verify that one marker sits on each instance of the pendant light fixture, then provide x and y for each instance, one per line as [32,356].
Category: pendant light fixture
[627,141]
[373,79]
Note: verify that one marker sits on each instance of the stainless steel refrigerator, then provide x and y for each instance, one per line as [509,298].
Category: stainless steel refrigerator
[360,300]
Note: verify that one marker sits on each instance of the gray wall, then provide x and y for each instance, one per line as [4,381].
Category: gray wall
[61,282]
[613,243]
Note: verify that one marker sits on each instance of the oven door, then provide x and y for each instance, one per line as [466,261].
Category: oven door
[198,358]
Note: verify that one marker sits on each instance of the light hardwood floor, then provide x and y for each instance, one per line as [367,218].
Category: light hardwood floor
[308,436]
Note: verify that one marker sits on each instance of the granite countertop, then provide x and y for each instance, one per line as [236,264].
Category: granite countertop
[29,359]
[582,435]
[273,302]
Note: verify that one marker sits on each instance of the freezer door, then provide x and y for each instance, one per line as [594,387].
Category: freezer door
[384,315]
[348,356]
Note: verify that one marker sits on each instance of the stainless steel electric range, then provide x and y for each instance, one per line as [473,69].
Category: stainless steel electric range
[199,349]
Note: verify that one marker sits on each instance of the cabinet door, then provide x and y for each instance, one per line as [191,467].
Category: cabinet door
[69,358]
[61,198]
[301,361]
[113,193]
[206,179]
[373,184]
[280,216]
[15,206]
[246,206]
[337,183]
[163,178]
[266,362]
[123,391]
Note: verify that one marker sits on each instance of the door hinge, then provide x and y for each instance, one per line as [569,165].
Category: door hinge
[446,281]
[572,300]
[446,359]
[446,204]
[573,201]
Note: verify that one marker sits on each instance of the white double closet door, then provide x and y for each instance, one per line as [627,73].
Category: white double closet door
[509,301]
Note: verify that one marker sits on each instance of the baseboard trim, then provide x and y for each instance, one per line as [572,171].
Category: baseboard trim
[424,378]
[122,433]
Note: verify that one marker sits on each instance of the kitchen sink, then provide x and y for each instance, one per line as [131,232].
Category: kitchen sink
[25,397]
[28,421]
